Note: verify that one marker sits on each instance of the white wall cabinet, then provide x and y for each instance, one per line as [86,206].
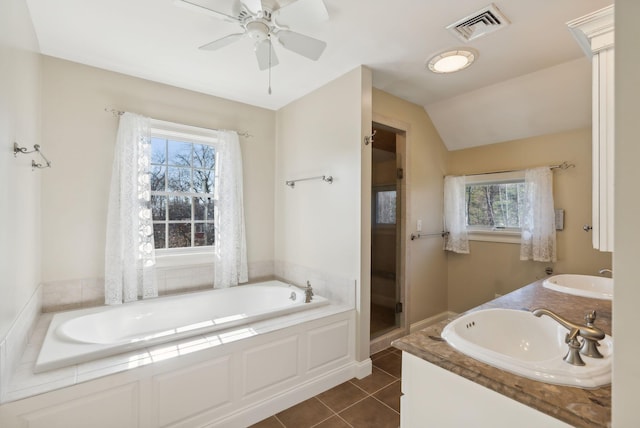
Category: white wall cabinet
[433,396]
[595,34]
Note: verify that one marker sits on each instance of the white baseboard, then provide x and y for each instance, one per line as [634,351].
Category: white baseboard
[430,321]
[258,411]
[363,368]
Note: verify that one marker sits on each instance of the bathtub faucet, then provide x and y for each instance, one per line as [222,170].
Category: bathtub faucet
[308,293]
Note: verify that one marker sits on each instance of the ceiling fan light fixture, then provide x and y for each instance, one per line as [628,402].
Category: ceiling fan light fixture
[452,61]
[257,30]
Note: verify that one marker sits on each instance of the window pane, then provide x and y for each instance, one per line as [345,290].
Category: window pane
[158,207]
[204,234]
[181,174]
[179,235]
[203,156]
[179,208]
[179,179]
[158,150]
[159,236]
[494,205]
[386,207]
[179,153]
[203,209]
[157,176]
[203,181]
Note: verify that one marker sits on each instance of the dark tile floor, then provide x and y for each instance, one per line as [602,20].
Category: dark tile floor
[372,402]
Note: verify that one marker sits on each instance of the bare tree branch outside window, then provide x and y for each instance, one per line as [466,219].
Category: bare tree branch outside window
[183,189]
[494,205]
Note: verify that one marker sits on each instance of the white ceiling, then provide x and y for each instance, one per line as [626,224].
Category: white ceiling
[531,78]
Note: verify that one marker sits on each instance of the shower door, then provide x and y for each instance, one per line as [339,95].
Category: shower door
[386,305]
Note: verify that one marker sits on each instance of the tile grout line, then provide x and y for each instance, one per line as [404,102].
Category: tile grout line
[386,372]
[385,404]
[344,420]
[279,421]
[326,419]
[365,397]
[333,413]
[368,395]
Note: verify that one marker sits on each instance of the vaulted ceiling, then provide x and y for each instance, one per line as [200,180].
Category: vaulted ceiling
[530,78]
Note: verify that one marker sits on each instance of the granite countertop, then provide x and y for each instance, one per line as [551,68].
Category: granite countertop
[575,406]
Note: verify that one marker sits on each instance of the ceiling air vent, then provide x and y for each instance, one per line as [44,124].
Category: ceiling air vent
[483,22]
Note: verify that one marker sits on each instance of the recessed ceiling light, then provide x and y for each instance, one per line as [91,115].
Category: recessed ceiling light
[452,61]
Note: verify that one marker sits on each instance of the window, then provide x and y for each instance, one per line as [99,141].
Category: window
[183,197]
[385,206]
[493,207]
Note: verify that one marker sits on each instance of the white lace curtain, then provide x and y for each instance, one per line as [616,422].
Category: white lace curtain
[538,241]
[455,221]
[129,252]
[230,261]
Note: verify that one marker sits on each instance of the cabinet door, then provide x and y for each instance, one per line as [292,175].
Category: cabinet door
[595,34]
[435,397]
[603,149]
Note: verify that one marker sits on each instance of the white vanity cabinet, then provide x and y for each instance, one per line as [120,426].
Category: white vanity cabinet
[595,34]
[433,396]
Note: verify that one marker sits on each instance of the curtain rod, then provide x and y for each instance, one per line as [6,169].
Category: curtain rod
[564,165]
[118,113]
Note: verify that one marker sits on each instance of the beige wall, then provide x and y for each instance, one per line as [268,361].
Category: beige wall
[20,103]
[79,138]
[318,225]
[626,371]
[492,268]
[426,264]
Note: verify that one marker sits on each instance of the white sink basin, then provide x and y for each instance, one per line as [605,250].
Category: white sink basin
[525,345]
[597,287]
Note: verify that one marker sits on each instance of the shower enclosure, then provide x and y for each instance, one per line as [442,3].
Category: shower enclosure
[386,216]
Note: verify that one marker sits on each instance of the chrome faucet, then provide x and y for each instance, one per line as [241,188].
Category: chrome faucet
[308,293]
[589,332]
[603,271]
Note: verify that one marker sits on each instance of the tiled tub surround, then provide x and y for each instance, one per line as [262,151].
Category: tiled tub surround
[229,378]
[577,407]
[89,292]
[13,346]
[333,287]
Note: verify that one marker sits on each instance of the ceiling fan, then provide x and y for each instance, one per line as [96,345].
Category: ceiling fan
[260,21]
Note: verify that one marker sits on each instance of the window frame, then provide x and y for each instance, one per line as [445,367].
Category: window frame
[508,235]
[169,257]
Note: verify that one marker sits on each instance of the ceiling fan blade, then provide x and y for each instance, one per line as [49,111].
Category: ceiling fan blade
[301,44]
[220,43]
[302,13]
[236,8]
[204,7]
[254,6]
[263,50]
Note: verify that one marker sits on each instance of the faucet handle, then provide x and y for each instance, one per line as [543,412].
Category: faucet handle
[590,344]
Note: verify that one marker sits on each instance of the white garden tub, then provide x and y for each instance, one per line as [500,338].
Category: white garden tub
[83,335]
